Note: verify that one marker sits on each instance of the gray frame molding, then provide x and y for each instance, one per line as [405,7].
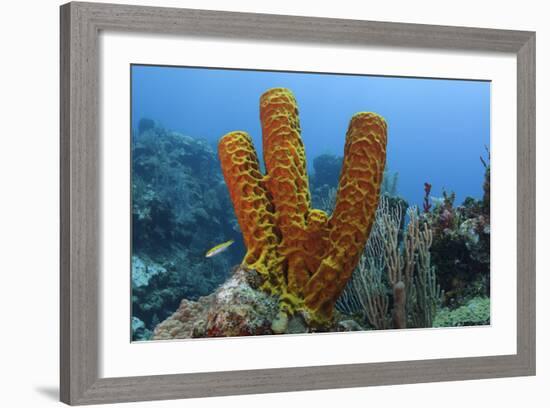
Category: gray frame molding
[80,234]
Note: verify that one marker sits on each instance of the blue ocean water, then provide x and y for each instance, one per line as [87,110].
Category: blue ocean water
[437,128]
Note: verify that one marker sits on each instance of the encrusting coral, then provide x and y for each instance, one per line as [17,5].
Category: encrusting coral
[302,254]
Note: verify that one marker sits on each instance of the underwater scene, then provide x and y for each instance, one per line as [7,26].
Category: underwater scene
[267,202]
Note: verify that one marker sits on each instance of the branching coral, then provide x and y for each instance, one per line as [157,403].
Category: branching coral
[304,255]
[416,295]
[426,294]
[366,293]
[394,261]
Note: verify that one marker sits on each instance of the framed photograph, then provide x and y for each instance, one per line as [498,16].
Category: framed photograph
[311,203]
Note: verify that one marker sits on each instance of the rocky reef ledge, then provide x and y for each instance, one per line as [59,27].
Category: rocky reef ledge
[239,308]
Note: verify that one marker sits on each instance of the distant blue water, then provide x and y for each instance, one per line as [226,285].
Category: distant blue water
[437,129]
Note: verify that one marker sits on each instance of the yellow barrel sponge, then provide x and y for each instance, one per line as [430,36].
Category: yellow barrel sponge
[254,210]
[286,179]
[354,212]
[306,256]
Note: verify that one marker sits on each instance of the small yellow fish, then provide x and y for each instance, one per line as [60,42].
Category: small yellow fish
[219,248]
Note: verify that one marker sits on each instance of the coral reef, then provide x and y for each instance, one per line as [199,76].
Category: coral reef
[356,262]
[474,313]
[176,186]
[143,272]
[406,276]
[139,331]
[461,247]
[188,321]
[180,208]
[302,254]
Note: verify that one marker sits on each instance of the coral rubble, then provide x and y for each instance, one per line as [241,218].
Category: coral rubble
[303,255]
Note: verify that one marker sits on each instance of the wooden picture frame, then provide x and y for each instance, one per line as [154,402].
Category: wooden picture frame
[81,24]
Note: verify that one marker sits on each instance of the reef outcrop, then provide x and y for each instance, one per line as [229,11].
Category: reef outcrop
[461,248]
[303,255]
[180,207]
[238,308]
